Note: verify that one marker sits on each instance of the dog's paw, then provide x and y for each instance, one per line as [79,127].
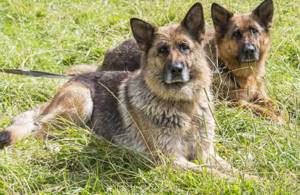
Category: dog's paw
[5,139]
[251,177]
[279,120]
[283,118]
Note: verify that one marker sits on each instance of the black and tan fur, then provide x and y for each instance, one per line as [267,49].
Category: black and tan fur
[240,82]
[163,107]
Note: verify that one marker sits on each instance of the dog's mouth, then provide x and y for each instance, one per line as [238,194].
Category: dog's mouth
[248,60]
[176,80]
[175,85]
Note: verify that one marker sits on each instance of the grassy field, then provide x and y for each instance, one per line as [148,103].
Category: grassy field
[52,35]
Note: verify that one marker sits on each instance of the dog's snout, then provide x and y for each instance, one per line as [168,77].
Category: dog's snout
[249,49]
[176,72]
[176,68]
[249,53]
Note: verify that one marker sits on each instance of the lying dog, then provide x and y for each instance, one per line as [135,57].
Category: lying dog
[237,50]
[162,108]
[243,43]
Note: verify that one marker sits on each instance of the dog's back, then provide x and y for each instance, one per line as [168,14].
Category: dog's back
[126,57]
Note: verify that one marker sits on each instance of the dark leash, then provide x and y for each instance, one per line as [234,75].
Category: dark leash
[33,73]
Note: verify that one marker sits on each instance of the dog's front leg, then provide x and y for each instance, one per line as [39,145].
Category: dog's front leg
[260,110]
[213,160]
[183,163]
[224,166]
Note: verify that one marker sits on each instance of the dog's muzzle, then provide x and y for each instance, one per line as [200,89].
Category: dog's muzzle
[176,73]
[249,53]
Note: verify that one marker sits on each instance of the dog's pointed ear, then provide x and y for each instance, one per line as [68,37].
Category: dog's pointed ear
[194,22]
[220,17]
[264,14]
[143,33]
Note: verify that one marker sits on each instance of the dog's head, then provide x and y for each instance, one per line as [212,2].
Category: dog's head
[173,62]
[243,39]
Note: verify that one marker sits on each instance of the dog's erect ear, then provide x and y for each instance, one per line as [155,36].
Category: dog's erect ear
[264,14]
[143,33]
[220,17]
[193,22]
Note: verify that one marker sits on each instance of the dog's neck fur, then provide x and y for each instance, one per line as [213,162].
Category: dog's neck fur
[248,77]
[256,69]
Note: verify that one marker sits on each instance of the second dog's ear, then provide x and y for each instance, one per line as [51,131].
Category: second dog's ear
[220,17]
[143,33]
[264,13]
[193,22]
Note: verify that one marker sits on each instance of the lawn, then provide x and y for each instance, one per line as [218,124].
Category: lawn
[53,35]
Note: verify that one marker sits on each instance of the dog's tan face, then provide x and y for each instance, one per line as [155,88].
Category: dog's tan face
[174,64]
[243,39]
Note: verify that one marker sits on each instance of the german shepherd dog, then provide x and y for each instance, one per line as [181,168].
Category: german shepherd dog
[164,107]
[243,43]
[237,50]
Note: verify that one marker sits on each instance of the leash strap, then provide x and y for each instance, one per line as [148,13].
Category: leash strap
[33,73]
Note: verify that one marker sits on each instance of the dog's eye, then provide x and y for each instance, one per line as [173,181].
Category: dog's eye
[237,34]
[183,47]
[254,31]
[163,50]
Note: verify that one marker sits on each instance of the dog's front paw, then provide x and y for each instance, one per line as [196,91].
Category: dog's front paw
[5,139]
[278,117]
[279,120]
[274,112]
[251,177]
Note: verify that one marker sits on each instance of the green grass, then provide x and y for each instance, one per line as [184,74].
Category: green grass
[54,35]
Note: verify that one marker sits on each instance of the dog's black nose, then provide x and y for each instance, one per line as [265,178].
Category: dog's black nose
[249,49]
[176,68]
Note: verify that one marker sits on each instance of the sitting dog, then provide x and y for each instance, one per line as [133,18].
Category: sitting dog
[237,50]
[164,107]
